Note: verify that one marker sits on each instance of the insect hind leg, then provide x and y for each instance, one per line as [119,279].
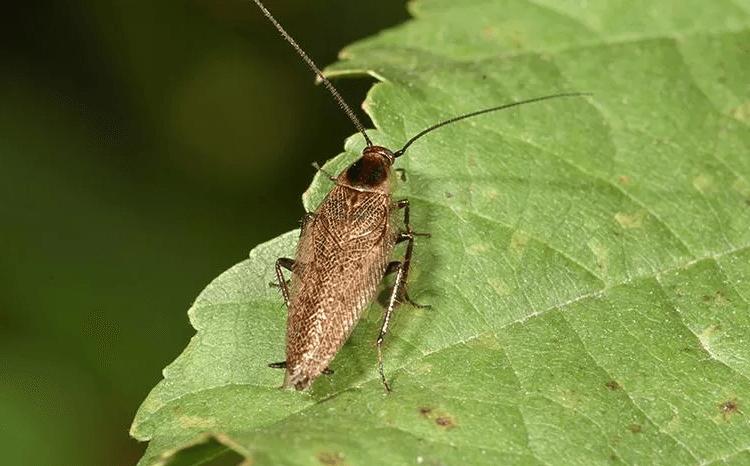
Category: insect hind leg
[401,269]
[407,236]
[393,267]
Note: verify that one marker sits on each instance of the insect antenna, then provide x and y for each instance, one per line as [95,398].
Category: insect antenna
[319,74]
[411,141]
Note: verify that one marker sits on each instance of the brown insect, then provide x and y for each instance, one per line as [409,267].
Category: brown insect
[344,251]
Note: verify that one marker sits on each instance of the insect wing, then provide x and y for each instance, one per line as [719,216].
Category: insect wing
[341,258]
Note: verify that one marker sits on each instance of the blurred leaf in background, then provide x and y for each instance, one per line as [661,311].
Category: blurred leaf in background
[144,148]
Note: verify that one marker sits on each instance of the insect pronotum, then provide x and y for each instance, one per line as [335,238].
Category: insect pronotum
[344,250]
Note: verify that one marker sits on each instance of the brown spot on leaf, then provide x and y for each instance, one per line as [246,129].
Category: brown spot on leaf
[612,385]
[741,113]
[445,422]
[729,408]
[490,33]
[624,179]
[441,419]
[630,220]
[635,428]
[719,298]
[331,458]
[517,39]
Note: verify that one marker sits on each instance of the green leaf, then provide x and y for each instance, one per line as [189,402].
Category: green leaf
[588,268]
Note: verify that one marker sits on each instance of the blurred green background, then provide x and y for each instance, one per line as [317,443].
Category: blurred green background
[145,147]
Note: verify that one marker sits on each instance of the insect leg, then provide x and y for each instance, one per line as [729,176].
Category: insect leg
[305,220]
[393,267]
[392,300]
[399,287]
[282,365]
[408,236]
[328,175]
[402,172]
[288,264]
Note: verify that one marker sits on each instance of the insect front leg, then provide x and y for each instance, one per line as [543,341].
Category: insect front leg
[401,269]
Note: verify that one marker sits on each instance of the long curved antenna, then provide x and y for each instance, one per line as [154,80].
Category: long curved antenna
[401,151]
[336,96]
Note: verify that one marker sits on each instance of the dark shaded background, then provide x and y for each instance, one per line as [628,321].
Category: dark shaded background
[145,147]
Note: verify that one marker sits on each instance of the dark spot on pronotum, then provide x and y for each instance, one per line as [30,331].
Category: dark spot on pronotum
[612,385]
[636,428]
[729,408]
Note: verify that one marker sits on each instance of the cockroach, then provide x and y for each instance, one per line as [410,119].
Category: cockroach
[345,247]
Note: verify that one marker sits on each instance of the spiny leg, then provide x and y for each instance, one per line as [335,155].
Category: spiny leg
[393,267]
[386,320]
[328,175]
[288,264]
[399,286]
[407,236]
